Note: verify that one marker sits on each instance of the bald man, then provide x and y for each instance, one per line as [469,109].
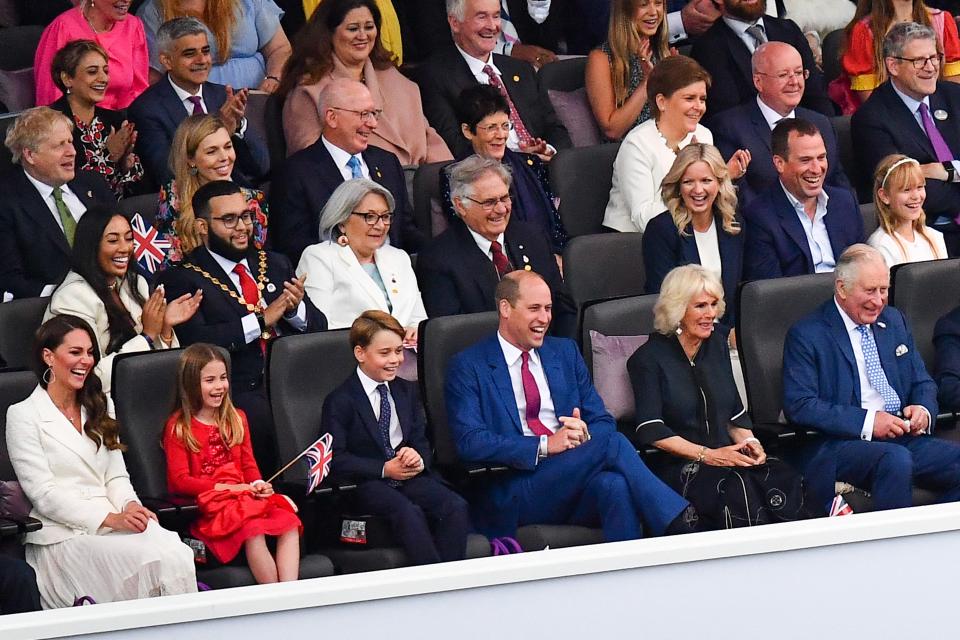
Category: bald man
[780,81]
[343,152]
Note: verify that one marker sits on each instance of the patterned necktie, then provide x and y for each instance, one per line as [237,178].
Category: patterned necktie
[939,144]
[875,374]
[354,164]
[500,260]
[523,135]
[384,423]
[756,32]
[531,393]
[66,218]
[251,293]
[197,105]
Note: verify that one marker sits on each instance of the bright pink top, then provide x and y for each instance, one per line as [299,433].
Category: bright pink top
[126,47]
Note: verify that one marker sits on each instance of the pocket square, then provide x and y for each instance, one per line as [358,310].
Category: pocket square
[901,349]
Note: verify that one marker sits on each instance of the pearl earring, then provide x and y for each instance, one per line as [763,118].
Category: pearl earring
[679,329]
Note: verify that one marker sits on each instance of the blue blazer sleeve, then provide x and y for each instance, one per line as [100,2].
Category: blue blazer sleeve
[760,259]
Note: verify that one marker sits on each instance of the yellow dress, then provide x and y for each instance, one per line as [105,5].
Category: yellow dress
[389,26]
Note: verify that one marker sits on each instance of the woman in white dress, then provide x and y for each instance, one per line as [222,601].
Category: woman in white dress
[677,95]
[898,194]
[97,539]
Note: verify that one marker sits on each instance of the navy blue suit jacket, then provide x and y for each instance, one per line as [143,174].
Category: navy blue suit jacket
[744,127]
[157,112]
[664,248]
[485,422]
[358,452]
[776,244]
[946,341]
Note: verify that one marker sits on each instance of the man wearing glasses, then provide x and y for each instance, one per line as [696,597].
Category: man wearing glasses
[915,114]
[780,80]
[250,296]
[343,152]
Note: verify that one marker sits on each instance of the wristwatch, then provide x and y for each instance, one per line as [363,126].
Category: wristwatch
[264,329]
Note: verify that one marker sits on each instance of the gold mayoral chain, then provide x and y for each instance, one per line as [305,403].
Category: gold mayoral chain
[230,291]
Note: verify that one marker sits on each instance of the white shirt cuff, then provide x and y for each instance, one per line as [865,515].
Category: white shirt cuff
[675,25]
[929,428]
[48,290]
[298,320]
[251,328]
[866,433]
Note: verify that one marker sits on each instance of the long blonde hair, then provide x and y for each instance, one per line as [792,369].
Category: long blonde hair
[220,16]
[624,41]
[191,132]
[726,201]
[906,175]
[190,401]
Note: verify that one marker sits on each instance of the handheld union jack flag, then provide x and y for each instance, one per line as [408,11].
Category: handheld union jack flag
[318,457]
[149,245]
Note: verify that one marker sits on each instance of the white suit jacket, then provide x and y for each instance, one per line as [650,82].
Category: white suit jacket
[77,298]
[71,483]
[338,285]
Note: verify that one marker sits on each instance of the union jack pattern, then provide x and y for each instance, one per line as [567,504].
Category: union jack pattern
[149,245]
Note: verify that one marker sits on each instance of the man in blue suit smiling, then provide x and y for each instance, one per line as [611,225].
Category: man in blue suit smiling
[521,399]
[852,372]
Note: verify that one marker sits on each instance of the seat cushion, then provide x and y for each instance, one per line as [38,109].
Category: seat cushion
[574,111]
[610,355]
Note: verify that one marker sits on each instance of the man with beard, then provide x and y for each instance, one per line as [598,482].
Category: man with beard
[250,296]
[184,91]
[726,48]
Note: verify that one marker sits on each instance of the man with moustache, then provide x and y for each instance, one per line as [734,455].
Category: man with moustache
[725,51]
[184,91]
[798,225]
[250,296]
[524,400]
[851,372]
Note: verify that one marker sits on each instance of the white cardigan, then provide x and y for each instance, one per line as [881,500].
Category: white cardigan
[642,162]
[338,285]
[72,485]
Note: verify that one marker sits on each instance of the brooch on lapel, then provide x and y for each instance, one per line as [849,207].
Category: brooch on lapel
[940,114]
[271,287]
[89,194]
[516,78]
[882,325]
[393,281]
[901,349]
[377,169]
[530,161]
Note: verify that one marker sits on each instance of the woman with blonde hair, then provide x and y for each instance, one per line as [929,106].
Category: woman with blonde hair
[701,224]
[616,75]
[899,190]
[202,151]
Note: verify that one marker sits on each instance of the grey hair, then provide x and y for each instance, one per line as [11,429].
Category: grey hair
[902,34]
[457,9]
[172,30]
[847,270]
[463,174]
[31,128]
[342,202]
[678,289]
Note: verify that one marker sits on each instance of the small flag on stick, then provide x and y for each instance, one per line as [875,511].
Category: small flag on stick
[318,457]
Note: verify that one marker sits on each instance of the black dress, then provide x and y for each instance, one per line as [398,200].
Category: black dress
[697,400]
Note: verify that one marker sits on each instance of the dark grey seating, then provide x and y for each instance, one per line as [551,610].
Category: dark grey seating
[831,47]
[14,387]
[425,193]
[581,179]
[603,266]
[19,46]
[563,75]
[273,130]
[145,205]
[6,121]
[19,320]
[925,292]
[868,211]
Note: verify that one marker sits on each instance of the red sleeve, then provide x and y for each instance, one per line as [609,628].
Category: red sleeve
[858,61]
[179,480]
[248,464]
[951,46]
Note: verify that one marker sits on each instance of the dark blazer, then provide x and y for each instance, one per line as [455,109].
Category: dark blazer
[357,448]
[744,127]
[445,74]
[217,321]
[664,248]
[946,341]
[157,112]
[33,250]
[776,244]
[109,117]
[724,55]
[884,125]
[309,177]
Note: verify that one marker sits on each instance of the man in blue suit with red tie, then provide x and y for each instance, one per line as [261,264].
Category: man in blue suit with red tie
[851,371]
[521,399]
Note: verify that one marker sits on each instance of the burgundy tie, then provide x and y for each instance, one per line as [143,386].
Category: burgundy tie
[523,135]
[500,260]
[197,105]
[251,293]
[940,146]
[532,395]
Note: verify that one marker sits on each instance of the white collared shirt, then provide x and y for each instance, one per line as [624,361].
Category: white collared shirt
[816,231]
[370,388]
[485,244]
[341,158]
[73,203]
[476,68]
[185,96]
[771,116]
[740,28]
[548,415]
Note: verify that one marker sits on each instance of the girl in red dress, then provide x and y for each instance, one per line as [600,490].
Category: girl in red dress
[209,456]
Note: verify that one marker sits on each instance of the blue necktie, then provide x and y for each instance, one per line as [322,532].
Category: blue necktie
[384,424]
[354,164]
[875,374]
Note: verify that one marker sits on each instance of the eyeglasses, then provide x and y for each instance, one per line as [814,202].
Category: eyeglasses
[365,116]
[920,63]
[230,220]
[785,76]
[371,217]
[506,127]
[491,204]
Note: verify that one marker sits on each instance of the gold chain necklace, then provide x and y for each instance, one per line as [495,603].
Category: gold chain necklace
[232,292]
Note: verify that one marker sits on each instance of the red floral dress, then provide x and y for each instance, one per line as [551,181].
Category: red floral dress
[227,518]
[93,138]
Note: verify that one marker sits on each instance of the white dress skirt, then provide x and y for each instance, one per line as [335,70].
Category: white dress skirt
[112,566]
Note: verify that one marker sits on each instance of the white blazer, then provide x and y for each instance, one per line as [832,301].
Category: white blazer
[338,285]
[76,297]
[71,483]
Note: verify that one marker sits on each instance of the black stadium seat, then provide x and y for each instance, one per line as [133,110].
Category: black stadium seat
[831,47]
[19,321]
[868,211]
[145,205]
[563,75]
[581,179]
[631,316]
[603,266]
[925,292]
[14,387]
[426,191]
[273,127]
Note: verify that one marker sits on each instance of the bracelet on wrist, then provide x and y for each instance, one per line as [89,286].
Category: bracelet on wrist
[275,78]
[702,454]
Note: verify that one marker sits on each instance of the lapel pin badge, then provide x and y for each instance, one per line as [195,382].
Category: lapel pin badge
[377,169]
[271,287]
[516,78]
[89,194]
[882,325]
[901,349]
[940,114]
[527,267]
[526,260]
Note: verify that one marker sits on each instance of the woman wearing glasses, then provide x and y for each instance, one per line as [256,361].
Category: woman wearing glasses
[352,270]
[202,151]
[863,67]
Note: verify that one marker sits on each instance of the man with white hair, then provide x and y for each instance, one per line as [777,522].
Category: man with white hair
[851,372]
